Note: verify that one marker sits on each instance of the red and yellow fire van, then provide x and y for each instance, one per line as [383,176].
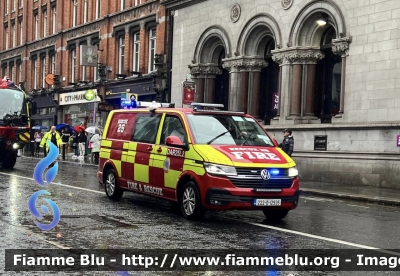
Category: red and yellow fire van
[201,157]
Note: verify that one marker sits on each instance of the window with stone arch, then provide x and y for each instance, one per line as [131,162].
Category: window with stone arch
[328,79]
[318,62]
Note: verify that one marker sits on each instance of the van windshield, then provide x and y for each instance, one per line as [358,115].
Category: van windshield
[11,101]
[227,130]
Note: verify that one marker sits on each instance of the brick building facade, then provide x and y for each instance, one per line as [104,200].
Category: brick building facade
[43,37]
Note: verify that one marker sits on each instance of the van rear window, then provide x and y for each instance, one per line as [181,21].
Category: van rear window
[121,126]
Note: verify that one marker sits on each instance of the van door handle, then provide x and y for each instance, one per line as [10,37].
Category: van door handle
[159,150]
[150,148]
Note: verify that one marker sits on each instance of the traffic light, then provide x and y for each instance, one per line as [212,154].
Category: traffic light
[56,81]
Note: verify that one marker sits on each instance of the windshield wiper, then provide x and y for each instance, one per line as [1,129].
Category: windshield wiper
[248,137]
[212,140]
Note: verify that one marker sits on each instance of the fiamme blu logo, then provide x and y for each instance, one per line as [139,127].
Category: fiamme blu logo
[49,176]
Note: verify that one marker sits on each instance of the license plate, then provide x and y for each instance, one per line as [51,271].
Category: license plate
[267,202]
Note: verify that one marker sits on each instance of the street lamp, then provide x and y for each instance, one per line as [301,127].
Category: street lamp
[322,20]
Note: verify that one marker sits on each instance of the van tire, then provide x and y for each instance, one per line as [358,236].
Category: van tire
[111,185]
[275,215]
[190,201]
[9,160]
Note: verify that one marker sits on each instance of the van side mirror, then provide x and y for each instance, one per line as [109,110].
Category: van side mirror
[175,141]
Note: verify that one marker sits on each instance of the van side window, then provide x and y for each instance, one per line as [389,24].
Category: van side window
[146,128]
[121,126]
[173,127]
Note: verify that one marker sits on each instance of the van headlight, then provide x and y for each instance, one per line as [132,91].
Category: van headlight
[219,169]
[15,146]
[293,172]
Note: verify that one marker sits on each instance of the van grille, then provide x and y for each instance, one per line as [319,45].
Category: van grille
[251,178]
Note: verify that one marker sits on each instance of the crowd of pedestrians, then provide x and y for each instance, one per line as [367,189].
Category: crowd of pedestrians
[75,142]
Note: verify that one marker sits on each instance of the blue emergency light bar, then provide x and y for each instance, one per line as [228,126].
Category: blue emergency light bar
[206,106]
[152,105]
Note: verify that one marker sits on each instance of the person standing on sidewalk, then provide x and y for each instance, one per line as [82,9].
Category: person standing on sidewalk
[52,136]
[75,144]
[95,147]
[82,143]
[38,139]
[65,139]
[287,144]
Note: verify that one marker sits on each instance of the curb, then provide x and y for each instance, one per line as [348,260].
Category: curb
[354,197]
[64,161]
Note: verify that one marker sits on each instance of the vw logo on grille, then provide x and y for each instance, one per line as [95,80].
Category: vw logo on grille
[265,174]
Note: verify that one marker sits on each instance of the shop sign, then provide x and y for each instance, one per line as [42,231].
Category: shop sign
[87,96]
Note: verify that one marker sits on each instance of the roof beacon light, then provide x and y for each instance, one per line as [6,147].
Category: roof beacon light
[206,106]
[6,82]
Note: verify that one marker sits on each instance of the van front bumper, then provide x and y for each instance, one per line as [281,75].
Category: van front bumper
[223,199]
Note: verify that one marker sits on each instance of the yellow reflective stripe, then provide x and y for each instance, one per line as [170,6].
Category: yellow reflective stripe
[141,173]
[106,143]
[212,155]
[117,164]
[130,159]
[171,179]
[124,156]
[159,162]
[21,137]
[132,146]
[106,127]
[191,154]
[160,129]
[198,169]
[126,146]
[105,153]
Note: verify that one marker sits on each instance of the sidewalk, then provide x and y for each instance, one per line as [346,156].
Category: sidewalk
[369,194]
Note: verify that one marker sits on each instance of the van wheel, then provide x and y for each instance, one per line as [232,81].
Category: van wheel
[111,186]
[190,201]
[9,160]
[275,215]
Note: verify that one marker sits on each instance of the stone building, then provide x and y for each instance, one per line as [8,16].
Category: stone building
[43,37]
[327,69]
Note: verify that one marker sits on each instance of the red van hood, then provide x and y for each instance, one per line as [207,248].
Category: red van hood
[251,154]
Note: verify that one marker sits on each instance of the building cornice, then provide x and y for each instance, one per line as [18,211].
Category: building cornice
[179,4]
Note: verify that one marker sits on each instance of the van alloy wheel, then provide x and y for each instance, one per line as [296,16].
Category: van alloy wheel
[111,185]
[190,201]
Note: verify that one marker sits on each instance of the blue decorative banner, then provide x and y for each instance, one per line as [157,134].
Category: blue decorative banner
[38,177]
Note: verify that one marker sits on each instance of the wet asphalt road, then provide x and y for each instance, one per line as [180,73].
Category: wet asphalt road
[89,220]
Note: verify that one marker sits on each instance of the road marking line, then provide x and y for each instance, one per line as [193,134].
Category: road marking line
[358,206]
[319,237]
[255,224]
[74,187]
[317,199]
